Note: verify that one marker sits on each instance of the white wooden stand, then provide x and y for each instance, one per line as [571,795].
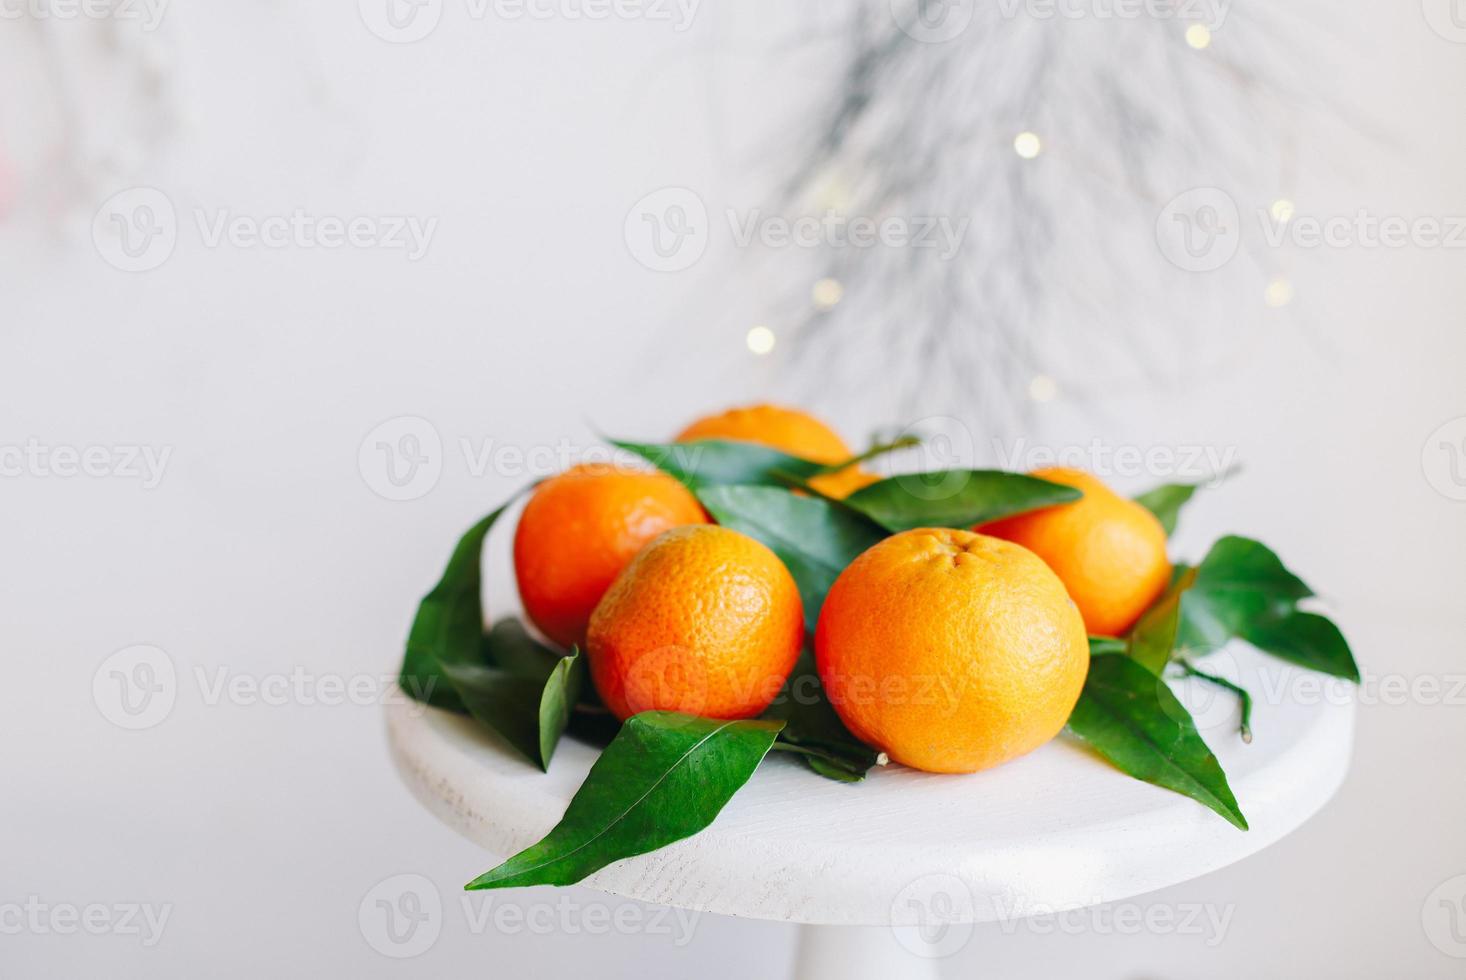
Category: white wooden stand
[1059,829]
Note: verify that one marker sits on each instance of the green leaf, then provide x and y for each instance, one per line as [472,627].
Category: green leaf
[1306,639]
[1129,716]
[449,624]
[1166,501]
[876,450]
[715,462]
[1104,646]
[524,691]
[955,498]
[1153,639]
[664,777]
[812,727]
[814,538]
[1243,591]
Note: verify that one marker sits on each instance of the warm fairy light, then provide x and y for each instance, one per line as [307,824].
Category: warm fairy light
[1282,210]
[1279,292]
[1043,388]
[1198,36]
[1027,145]
[826,293]
[760,339]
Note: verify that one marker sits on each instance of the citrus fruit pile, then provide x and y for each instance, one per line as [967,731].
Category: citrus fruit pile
[754,586]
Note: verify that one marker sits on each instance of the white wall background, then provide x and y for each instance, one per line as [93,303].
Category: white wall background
[264,551]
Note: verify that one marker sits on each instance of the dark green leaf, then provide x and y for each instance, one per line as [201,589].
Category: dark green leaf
[715,462]
[1242,591]
[879,449]
[1306,639]
[1165,502]
[815,538]
[450,623]
[1129,716]
[823,762]
[811,724]
[523,691]
[1154,637]
[1102,646]
[664,777]
[955,498]
[1240,564]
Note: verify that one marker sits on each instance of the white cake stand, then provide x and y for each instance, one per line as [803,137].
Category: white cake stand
[1057,830]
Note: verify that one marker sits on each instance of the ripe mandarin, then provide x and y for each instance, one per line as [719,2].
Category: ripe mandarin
[951,651]
[704,620]
[1110,552]
[580,529]
[791,431]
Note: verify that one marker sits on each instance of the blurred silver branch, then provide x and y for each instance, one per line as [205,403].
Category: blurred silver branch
[1058,283]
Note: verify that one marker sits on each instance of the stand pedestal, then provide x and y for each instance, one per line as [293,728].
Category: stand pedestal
[865,953]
